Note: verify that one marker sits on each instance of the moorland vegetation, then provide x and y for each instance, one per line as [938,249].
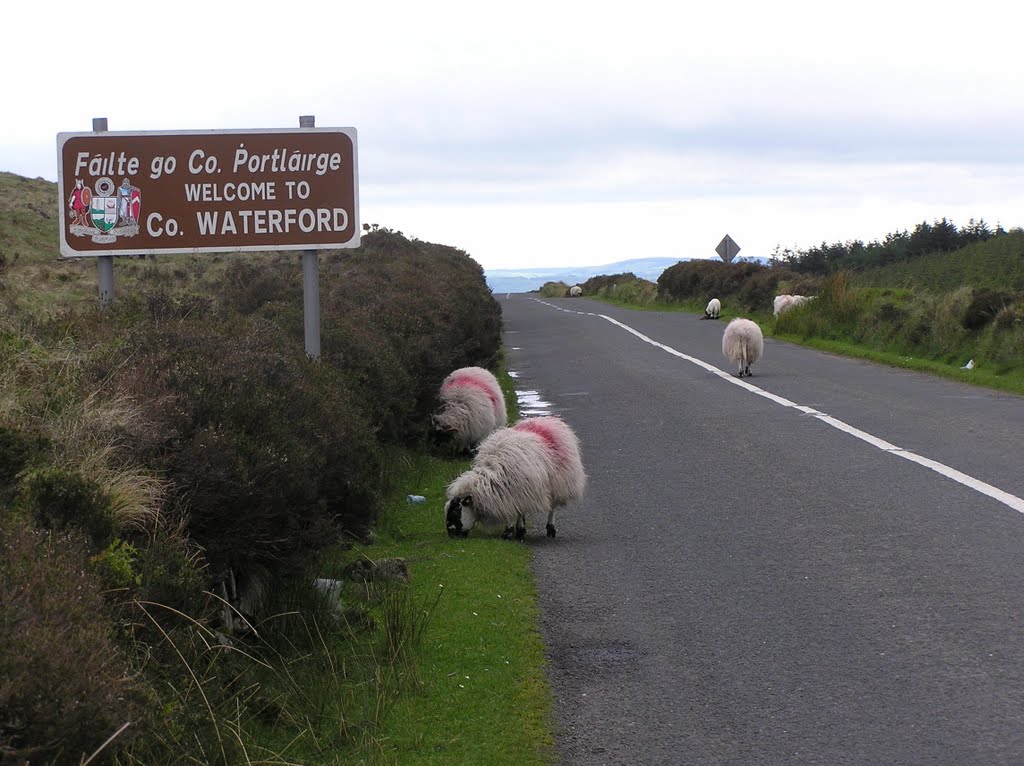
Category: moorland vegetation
[176,474]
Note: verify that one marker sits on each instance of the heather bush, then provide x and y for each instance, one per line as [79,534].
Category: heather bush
[554,290]
[266,448]
[595,285]
[635,292]
[17,450]
[61,499]
[65,684]
[748,285]
[400,315]
[984,305]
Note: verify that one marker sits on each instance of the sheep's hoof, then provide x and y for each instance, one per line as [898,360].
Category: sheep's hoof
[551,530]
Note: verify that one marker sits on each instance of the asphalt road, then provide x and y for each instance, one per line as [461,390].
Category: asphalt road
[746,581]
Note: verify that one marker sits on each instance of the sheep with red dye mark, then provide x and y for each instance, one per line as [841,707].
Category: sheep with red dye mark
[742,343]
[532,468]
[472,407]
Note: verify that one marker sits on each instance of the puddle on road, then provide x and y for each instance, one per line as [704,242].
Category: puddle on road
[530,403]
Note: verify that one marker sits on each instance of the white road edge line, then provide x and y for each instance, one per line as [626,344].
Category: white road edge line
[970,482]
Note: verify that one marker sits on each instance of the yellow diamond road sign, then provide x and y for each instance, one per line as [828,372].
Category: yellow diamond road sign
[727,249]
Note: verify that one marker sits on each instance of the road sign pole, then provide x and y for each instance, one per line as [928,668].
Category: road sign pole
[311,281]
[104,263]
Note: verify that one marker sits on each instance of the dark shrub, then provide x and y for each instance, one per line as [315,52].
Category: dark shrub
[266,449]
[891,313]
[64,685]
[985,304]
[248,285]
[401,315]
[17,449]
[605,281]
[751,285]
[758,290]
[60,499]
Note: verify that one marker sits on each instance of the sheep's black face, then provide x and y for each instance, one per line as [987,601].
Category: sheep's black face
[456,515]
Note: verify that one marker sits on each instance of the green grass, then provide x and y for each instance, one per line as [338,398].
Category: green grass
[995,263]
[1012,382]
[478,692]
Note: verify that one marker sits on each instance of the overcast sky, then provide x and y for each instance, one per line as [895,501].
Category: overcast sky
[569,133]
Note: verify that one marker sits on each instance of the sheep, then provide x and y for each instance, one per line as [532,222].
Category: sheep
[533,467]
[786,302]
[575,291]
[713,310]
[781,303]
[743,343]
[472,406]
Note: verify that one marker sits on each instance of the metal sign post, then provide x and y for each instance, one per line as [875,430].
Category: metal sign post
[311,281]
[104,263]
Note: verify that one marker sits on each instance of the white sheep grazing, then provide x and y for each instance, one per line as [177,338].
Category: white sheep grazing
[575,291]
[743,343]
[713,310]
[472,406]
[534,467]
[781,303]
[787,302]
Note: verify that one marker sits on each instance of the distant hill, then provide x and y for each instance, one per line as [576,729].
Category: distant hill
[528,280]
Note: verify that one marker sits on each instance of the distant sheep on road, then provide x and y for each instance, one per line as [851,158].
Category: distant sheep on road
[713,310]
[742,343]
[575,291]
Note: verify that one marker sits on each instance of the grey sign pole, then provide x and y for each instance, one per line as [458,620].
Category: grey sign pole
[104,263]
[311,281]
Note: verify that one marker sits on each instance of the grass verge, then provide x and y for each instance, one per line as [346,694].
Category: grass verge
[478,693]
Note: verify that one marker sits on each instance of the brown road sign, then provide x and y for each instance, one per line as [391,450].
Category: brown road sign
[196,192]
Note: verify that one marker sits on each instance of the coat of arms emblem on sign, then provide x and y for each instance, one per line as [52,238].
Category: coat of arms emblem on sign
[107,213]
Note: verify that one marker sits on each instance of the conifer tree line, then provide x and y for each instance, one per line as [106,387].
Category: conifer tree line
[942,236]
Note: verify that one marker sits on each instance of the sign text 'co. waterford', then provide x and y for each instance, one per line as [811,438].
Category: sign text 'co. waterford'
[216,191]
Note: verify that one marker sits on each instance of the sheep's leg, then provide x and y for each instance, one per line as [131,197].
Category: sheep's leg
[551,523]
[520,527]
[509,532]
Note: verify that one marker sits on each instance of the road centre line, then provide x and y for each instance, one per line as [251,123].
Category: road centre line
[970,482]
